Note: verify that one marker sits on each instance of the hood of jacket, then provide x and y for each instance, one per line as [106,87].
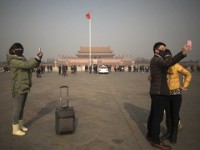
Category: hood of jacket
[10,57]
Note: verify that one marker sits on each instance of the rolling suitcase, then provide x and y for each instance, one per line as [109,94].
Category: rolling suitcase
[64,116]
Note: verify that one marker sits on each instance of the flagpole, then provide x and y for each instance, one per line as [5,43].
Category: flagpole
[88,16]
[90,40]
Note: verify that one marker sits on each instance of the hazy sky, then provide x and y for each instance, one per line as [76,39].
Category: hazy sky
[130,27]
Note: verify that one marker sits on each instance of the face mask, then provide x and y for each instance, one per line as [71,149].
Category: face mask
[18,52]
[162,53]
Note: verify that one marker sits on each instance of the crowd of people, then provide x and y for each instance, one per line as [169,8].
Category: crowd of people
[63,69]
[134,68]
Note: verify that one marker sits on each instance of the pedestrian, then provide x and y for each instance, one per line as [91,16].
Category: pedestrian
[21,83]
[90,69]
[175,98]
[38,72]
[59,69]
[159,91]
[64,70]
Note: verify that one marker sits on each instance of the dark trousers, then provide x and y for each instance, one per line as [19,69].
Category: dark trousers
[158,105]
[172,113]
[18,103]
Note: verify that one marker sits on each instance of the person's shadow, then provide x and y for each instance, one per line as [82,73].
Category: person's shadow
[44,111]
[140,116]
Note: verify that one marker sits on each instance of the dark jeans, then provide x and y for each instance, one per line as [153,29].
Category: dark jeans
[18,107]
[158,105]
[172,113]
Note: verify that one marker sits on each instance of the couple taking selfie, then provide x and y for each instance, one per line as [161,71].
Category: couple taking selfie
[166,93]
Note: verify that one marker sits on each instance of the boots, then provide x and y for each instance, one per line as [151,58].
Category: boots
[173,138]
[17,131]
[21,126]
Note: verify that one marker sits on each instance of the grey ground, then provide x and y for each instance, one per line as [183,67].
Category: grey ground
[112,112]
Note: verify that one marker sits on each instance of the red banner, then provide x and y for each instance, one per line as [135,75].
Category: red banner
[88,16]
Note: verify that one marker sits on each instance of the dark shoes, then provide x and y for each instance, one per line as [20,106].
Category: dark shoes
[148,138]
[173,140]
[161,146]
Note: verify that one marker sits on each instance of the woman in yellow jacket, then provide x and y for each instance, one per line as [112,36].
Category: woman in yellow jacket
[175,88]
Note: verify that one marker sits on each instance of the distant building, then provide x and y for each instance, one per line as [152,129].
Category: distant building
[99,56]
[97,53]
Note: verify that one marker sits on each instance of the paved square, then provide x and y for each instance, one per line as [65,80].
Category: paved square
[112,112]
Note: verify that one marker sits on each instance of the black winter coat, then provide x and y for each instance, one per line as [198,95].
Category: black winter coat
[158,69]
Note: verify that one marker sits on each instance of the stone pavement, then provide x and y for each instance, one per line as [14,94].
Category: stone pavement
[112,112]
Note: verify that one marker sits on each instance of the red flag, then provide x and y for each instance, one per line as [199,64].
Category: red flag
[88,16]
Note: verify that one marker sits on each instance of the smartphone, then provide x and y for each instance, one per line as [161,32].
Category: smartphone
[40,50]
[189,43]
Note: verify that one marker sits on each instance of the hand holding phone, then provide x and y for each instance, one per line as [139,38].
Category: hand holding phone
[189,43]
[40,54]
[40,50]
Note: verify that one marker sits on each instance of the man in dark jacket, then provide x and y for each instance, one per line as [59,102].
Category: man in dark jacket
[159,91]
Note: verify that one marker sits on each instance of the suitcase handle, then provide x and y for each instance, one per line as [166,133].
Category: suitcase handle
[64,86]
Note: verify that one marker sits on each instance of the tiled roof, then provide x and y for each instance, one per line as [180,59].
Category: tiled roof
[106,49]
[95,54]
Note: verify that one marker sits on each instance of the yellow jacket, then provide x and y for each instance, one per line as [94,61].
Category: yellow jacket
[173,77]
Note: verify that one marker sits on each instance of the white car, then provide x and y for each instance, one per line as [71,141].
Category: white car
[103,70]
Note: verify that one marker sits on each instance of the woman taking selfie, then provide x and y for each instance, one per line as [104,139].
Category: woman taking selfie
[21,71]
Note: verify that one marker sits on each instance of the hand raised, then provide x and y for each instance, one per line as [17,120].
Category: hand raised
[40,54]
[186,48]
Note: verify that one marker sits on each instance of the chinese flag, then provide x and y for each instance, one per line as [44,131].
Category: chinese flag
[88,16]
